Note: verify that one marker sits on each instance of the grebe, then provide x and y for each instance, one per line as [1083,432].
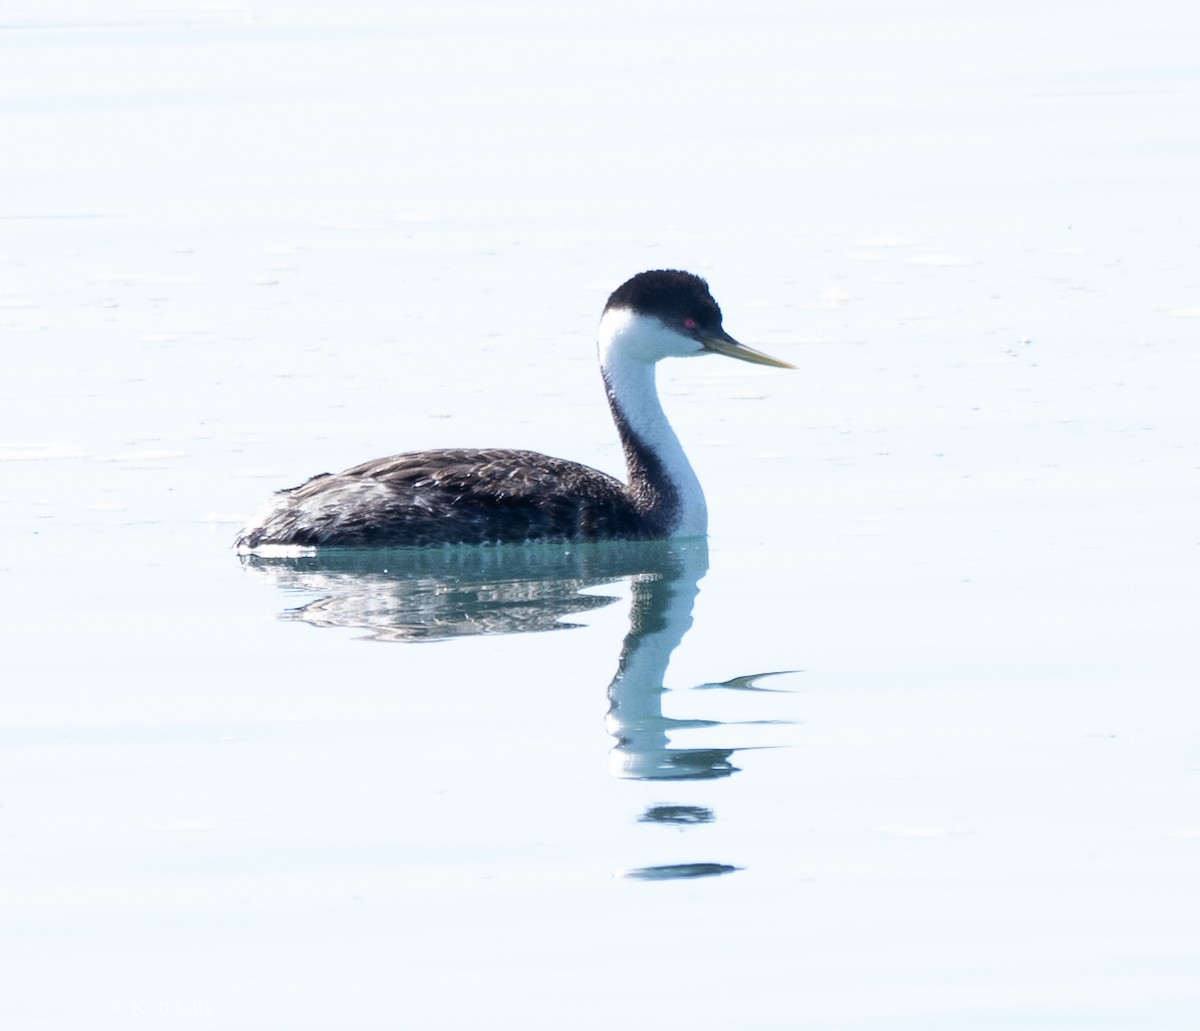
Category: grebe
[493,496]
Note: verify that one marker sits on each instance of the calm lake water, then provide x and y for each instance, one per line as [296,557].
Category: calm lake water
[928,753]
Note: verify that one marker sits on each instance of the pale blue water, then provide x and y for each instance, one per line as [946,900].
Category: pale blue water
[240,244]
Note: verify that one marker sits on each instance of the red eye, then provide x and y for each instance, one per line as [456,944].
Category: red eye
[689,323]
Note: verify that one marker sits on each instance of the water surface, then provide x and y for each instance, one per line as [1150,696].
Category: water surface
[926,755]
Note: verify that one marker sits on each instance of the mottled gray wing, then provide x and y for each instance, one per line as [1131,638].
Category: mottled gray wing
[448,496]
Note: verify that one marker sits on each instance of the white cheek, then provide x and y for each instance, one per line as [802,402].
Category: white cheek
[640,338]
[675,344]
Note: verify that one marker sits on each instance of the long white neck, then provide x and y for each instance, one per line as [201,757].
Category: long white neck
[661,479]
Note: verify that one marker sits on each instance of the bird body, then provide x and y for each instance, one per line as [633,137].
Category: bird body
[482,496]
[496,496]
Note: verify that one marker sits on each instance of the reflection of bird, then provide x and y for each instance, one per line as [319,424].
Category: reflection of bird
[490,496]
[435,594]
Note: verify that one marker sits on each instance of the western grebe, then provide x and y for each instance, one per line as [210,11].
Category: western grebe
[462,496]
